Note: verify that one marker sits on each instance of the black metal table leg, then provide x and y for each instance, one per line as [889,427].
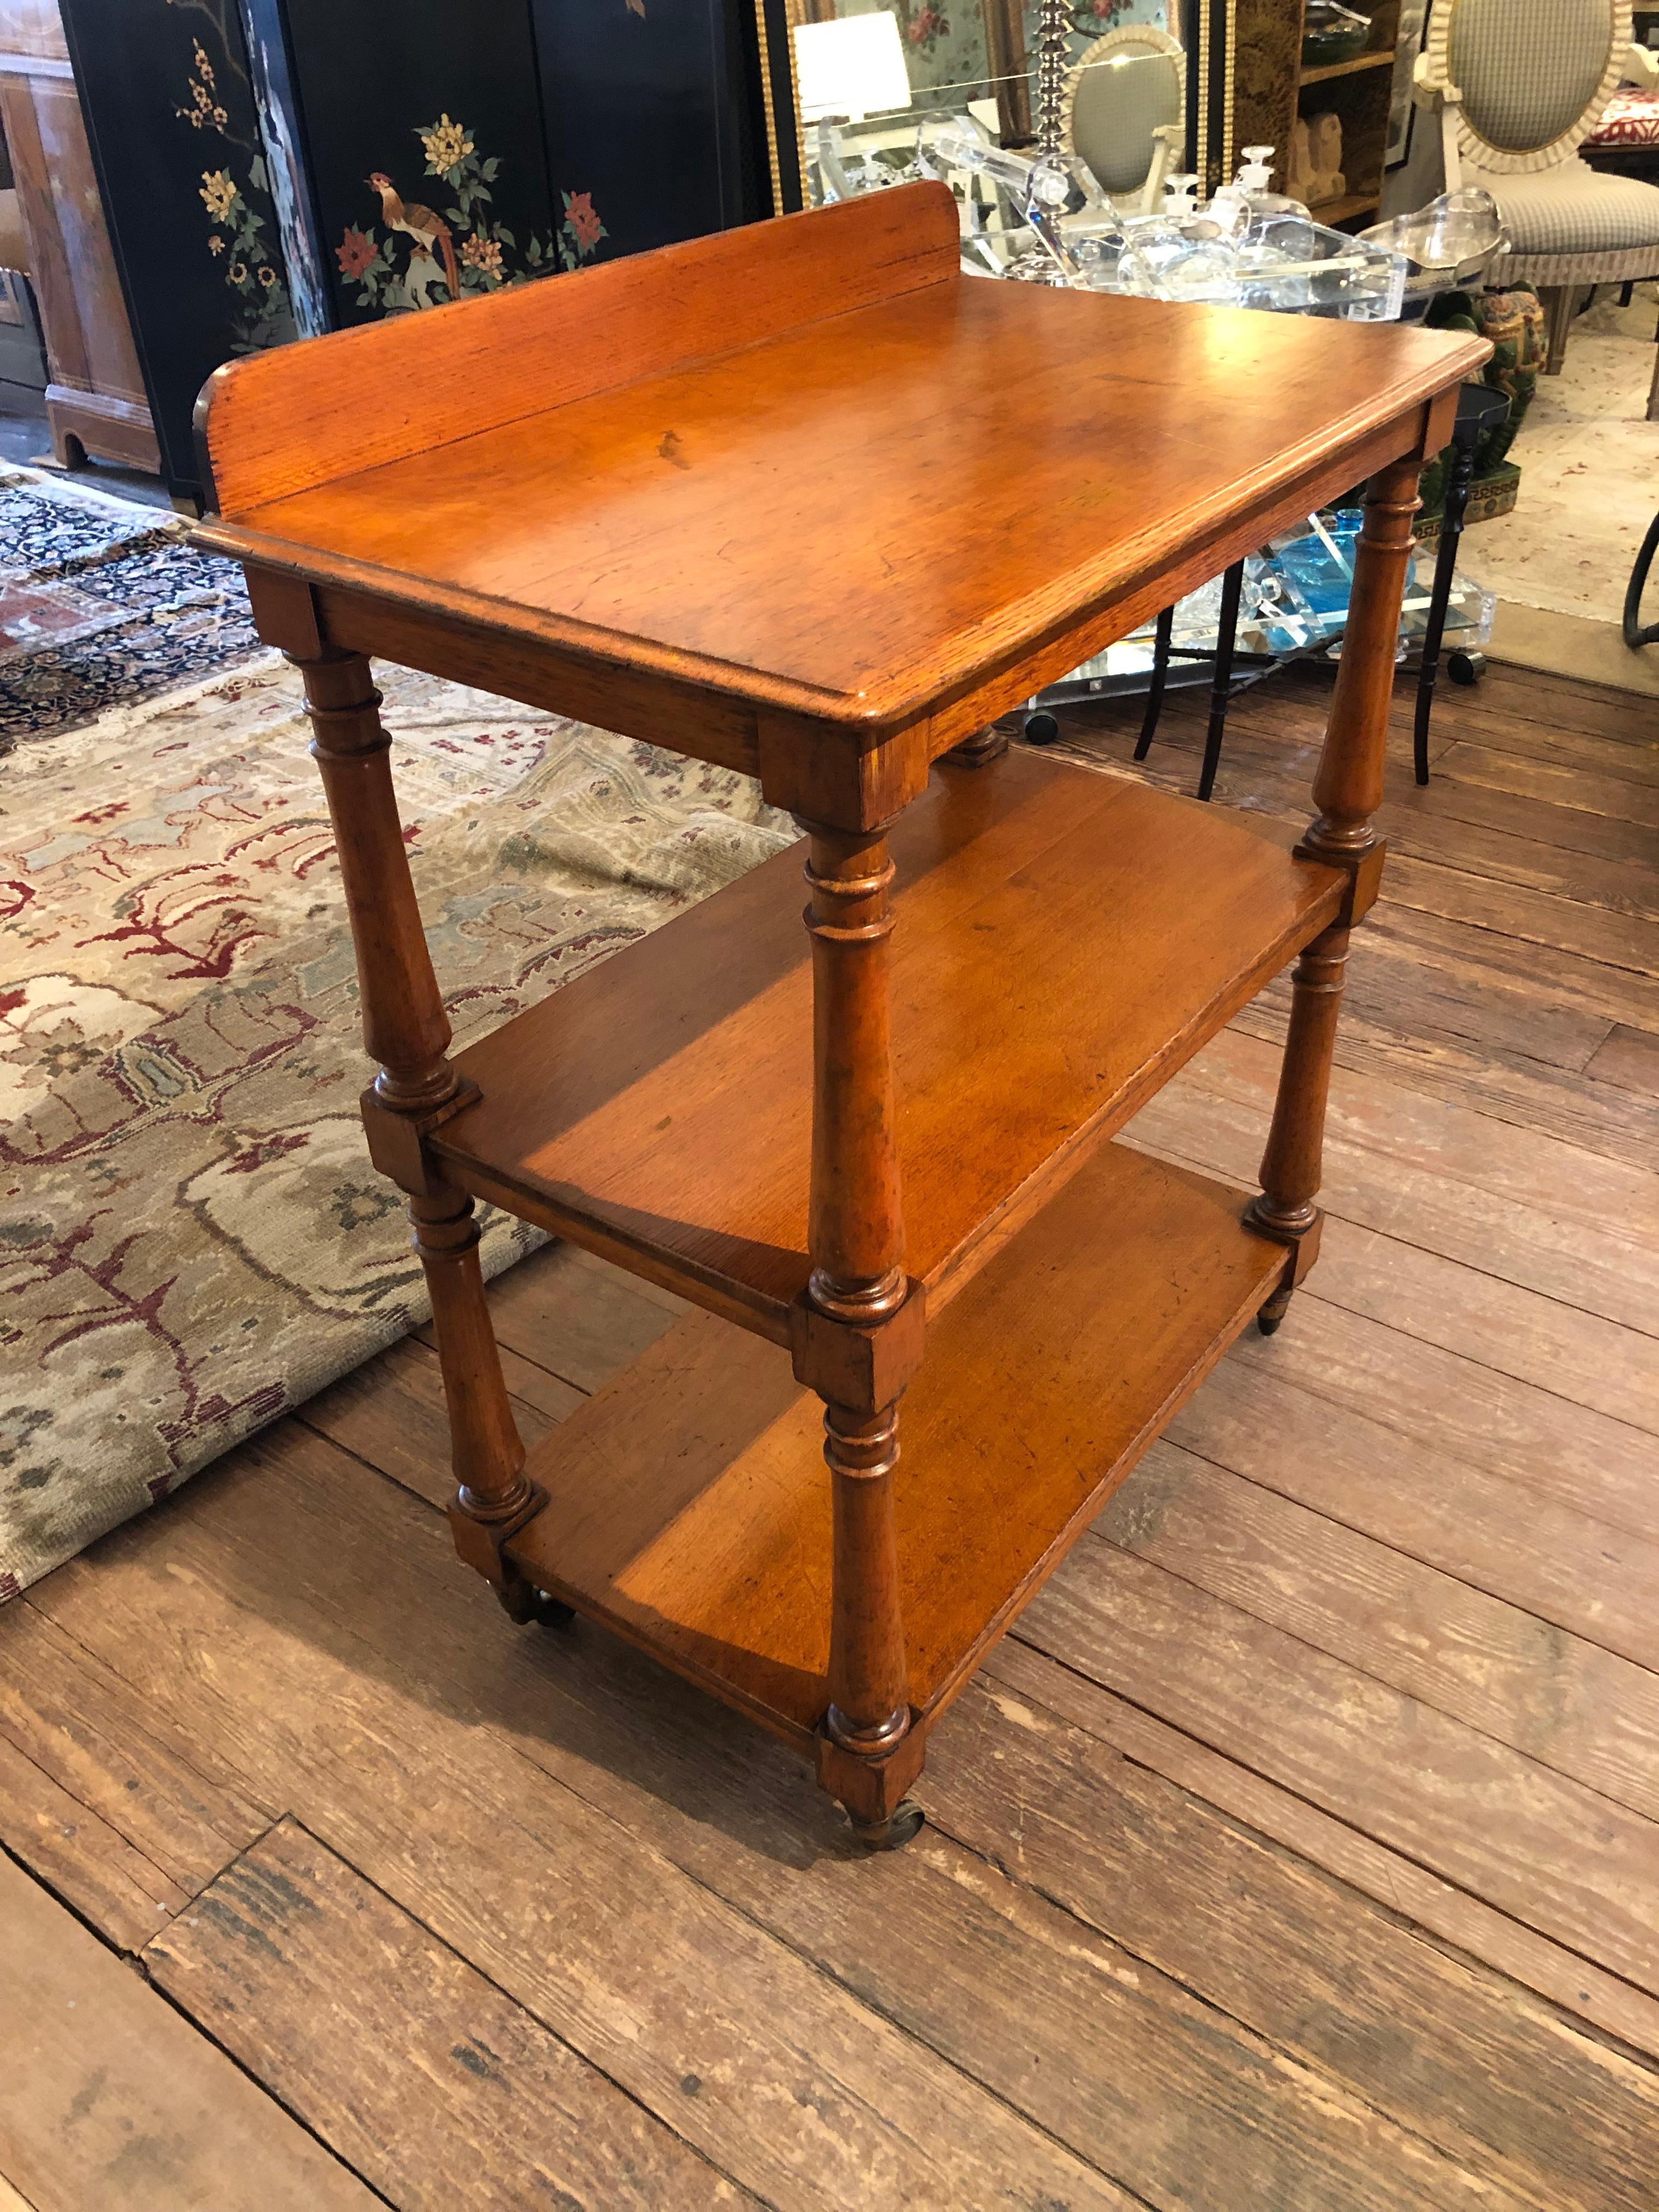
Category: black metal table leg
[1459,477]
[1635,633]
[1479,410]
[1232,585]
[1155,689]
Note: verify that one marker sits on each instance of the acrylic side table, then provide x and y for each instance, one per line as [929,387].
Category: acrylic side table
[802,501]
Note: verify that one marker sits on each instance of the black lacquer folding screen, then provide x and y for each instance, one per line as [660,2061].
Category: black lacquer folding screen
[271,168]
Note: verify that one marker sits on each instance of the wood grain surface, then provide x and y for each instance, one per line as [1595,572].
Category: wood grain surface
[652,464]
[107,2097]
[1295,1852]
[686,1501]
[539,348]
[1060,944]
[453,2093]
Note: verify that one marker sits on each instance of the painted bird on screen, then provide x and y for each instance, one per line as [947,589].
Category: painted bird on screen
[427,230]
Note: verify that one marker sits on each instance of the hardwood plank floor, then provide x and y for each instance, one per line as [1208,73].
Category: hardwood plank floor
[1299,1853]
[107,2097]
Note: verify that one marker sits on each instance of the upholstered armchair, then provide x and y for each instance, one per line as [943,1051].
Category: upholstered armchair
[1519,85]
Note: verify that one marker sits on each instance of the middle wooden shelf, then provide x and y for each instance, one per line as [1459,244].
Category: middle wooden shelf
[1065,941]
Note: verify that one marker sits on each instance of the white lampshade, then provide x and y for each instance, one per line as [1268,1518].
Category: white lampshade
[851,68]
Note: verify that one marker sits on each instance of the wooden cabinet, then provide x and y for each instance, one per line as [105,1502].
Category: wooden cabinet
[95,400]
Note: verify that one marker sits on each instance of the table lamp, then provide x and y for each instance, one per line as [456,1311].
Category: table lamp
[850,68]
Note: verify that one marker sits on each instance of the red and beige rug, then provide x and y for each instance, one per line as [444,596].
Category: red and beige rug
[191,1237]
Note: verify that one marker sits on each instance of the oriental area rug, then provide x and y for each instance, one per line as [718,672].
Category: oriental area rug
[192,1236]
[103,605]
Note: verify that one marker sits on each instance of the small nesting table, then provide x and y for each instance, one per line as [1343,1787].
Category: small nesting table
[802,501]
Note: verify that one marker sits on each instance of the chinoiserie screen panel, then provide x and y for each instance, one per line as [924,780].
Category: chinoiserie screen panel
[272,168]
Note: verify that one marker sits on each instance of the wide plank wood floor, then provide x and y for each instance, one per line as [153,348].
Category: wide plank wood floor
[1299,1852]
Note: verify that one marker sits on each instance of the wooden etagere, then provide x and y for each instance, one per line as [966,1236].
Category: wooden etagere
[792,501]
[1273,85]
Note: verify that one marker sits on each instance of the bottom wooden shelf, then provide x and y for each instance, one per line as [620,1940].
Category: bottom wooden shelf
[689,1503]
[1332,212]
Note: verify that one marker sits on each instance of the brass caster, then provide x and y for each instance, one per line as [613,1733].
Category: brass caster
[895,1832]
[1267,1322]
[550,1612]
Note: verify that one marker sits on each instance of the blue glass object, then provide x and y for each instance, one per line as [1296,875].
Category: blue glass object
[1325,579]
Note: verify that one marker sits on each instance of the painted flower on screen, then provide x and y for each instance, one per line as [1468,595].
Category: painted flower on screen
[584,220]
[354,252]
[446,144]
[218,190]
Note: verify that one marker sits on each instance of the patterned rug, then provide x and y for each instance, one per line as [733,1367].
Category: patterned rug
[102,605]
[191,1237]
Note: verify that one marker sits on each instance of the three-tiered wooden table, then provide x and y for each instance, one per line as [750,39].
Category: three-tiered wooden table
[802,501]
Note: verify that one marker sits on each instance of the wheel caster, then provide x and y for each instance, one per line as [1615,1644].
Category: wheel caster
[1465,667]
[1041,728]
[530,1608]
[1271,1313]
[895,1832]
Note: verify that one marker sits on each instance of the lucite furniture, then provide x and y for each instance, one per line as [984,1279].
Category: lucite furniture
[802,501]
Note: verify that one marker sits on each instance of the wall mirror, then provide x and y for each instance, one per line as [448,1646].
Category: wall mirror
[841,94]
[1125,101]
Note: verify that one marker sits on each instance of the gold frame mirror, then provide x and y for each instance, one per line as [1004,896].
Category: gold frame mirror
[961,55]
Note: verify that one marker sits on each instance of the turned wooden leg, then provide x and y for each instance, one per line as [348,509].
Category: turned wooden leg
[1347,790]
[985,746]
[494,1497]
[1559,302]
[857,1292]
[405,1025]
[407,1031]
[1292,1165]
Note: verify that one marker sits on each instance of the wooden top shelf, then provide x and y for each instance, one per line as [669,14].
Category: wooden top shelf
[1326,70]
[688,1503]
[805,466]
[1064,941]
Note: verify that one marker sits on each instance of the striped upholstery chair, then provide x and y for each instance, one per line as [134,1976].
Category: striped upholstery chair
[1520,85]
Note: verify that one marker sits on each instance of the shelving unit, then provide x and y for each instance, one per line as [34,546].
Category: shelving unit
[1331,70]
[687,1504]
[607,1112]
[1273,86]
[792,501]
